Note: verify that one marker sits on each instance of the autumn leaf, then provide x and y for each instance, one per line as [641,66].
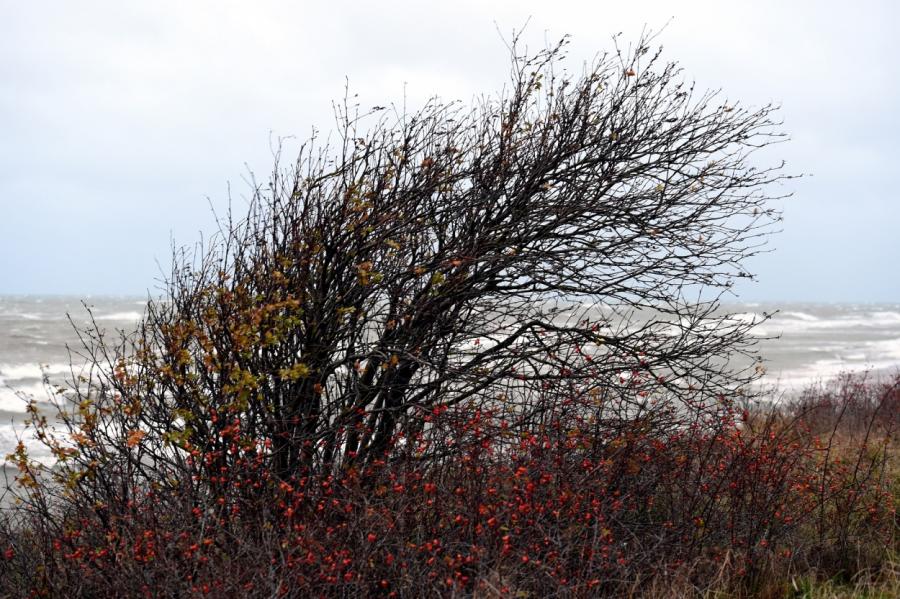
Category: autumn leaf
[297,371]
[134,437]
[82,439]
[364,273]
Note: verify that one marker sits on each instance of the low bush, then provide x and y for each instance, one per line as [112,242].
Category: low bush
[581,504]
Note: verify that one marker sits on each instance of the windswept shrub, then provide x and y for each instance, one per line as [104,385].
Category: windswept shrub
[452,354]
[546,239]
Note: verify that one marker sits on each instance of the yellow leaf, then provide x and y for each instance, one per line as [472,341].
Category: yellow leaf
[297,371]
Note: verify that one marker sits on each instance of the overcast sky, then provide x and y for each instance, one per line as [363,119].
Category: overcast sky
[119,124]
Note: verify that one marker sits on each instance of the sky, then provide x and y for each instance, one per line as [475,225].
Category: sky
[123,123]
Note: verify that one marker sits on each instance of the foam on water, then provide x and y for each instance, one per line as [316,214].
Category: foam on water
[799,316]
[889,348]
[122,316]
[800,322]
[28,316]
[815,347]
[13,372]
[10,435]
[13,399]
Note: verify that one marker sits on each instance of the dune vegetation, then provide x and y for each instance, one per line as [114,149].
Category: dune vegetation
[470,351]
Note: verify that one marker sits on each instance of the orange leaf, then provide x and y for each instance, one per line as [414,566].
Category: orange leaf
[134,437]
[82,439]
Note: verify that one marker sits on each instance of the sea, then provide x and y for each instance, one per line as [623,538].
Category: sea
[801,343]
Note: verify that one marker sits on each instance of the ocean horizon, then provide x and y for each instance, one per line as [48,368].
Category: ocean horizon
[802,343]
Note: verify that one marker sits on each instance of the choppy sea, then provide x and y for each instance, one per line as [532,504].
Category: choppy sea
[814,342]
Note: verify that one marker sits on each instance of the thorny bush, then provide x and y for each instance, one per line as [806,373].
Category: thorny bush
[453,352]
[575,506]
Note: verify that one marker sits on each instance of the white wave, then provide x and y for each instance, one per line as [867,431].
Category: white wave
[12,389]
[792,323]
[798,316]
[886,317]
[797,379]
[881,355]
[13,372]
[827,347]
[888,349]
[122,316]
[11,400]
[746,317]
[672,330]
[33,317]
[9,439]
